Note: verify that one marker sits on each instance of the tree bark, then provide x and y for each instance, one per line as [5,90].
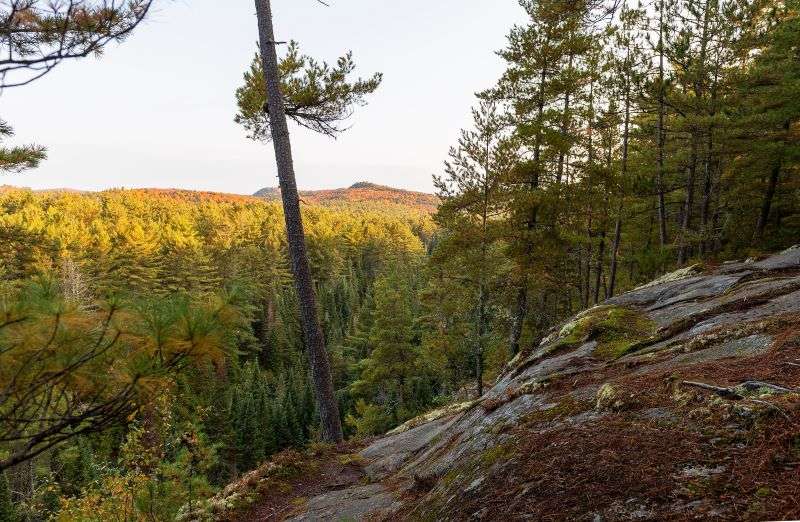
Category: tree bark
[483,296]
[481,348]
[612,277]
[312,330]
[519,319]
[661,138]
[565,120]
[700,93]
[688,206]
[766,204]
[601,250]
[711,167]
[707,193]
[587,276]
[769,192]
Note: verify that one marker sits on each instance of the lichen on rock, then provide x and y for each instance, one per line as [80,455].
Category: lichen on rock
[609,398]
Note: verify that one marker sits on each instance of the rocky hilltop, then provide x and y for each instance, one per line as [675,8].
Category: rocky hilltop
[678,400]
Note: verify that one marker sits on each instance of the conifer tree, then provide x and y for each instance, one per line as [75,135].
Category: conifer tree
[531,54]
[37,36]
[473,203]
[628,70]
[325,110]
[135,260]
[395,360]
[766,109]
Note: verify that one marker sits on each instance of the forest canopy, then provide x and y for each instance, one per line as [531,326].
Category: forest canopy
[152,342]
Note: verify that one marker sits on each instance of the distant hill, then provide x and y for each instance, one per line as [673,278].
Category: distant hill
[362,193]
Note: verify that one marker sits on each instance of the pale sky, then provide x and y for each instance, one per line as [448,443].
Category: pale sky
[157,111]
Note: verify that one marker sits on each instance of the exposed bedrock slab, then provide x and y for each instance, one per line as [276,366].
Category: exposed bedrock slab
[359,503]
[389,454]
[699,317]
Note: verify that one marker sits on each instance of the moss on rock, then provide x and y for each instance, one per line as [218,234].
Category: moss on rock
[617,331]
[609,398]
[567,407]
[446,411]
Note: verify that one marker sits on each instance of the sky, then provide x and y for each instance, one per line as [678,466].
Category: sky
[157,111]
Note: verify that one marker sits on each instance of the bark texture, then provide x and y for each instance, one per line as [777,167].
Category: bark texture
[312,330]
[766,204]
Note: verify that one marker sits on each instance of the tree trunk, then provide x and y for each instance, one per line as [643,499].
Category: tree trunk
[661,138]
[519,319]
[711,168]
[766,204]
[481,349]
[601,250]
[587,279]
[688,206]
[612,277]
[707,192]
[626,128]
[312,330]
[700,95]
[522,293]
[564,127]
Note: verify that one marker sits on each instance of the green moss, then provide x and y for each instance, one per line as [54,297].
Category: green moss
[450,478]
[763,492]
[496,453]
[608,398]
[568,406]
[351,458]
[618,331]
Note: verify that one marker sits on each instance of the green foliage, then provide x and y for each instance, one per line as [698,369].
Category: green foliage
[397,378]
[468,259]
[7,511]
[103,363]
[316,95]
[579,175]
[199,272]
[268,415]
[17,159]
[550,203]
[75,466]
[38,36]
[370,419]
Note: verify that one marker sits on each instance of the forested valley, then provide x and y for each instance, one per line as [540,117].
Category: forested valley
[152,346]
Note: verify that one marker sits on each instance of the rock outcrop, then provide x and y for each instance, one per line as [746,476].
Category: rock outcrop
[675,401]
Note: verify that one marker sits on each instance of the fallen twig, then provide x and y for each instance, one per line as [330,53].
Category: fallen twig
[726,393]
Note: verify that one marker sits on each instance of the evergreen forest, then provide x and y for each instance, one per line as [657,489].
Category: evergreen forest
[154,344]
